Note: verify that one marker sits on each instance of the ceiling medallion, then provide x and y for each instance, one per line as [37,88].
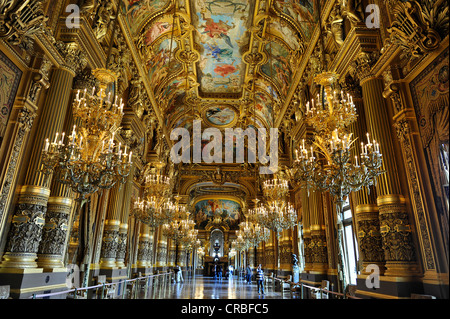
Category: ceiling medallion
[220,115]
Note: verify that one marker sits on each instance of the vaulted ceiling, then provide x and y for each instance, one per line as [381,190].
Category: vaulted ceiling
[222,61]
[230,63]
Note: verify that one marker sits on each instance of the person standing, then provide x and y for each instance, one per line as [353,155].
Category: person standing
[260,279]
[248,274]
[219,269]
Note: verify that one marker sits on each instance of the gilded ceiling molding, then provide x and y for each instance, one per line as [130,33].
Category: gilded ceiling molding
[21,19]
[138,63]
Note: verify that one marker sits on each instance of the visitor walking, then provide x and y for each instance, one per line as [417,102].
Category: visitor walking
[260,279]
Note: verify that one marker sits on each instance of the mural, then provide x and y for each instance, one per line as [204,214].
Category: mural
[138,11]
[10,76]
[221,31]
[156,30]
[301,11]
[158,62]
[281,29]
[207,210]
[220,115]
[278,68]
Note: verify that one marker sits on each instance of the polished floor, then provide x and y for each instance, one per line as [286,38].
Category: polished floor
[202,287]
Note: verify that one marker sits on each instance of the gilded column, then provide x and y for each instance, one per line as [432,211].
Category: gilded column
[394,220]
[29,214]
[306,231]
[318,243]
[251,257]
[173,257]
[269,254]
[161,251]
[54,233]
[181,257]
[143,247]
[110,239]
[125,213]
[285,250]
[365,213]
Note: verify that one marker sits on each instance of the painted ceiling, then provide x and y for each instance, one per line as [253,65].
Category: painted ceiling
[228,62]
[205,55]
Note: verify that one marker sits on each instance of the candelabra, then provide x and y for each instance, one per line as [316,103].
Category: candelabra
[327,164]
[90,159]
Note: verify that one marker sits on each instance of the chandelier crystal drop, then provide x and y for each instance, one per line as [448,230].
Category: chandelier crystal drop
[89,159]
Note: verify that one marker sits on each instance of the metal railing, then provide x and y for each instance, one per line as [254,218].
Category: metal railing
[319,292]
[103,291]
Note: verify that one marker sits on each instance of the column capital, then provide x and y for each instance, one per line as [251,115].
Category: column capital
[74,59]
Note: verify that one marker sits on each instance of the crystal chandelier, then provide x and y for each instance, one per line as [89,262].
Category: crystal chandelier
[180,229]
[239,243]
[155,208]
[88,159]
[276,212]
[253,234]
[327,165]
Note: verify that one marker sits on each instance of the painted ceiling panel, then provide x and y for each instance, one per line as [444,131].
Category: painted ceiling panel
[221,30]
[137,12]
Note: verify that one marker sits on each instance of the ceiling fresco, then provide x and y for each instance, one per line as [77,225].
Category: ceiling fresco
[229,63]
[137,12]
[301,12]
[221,30]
